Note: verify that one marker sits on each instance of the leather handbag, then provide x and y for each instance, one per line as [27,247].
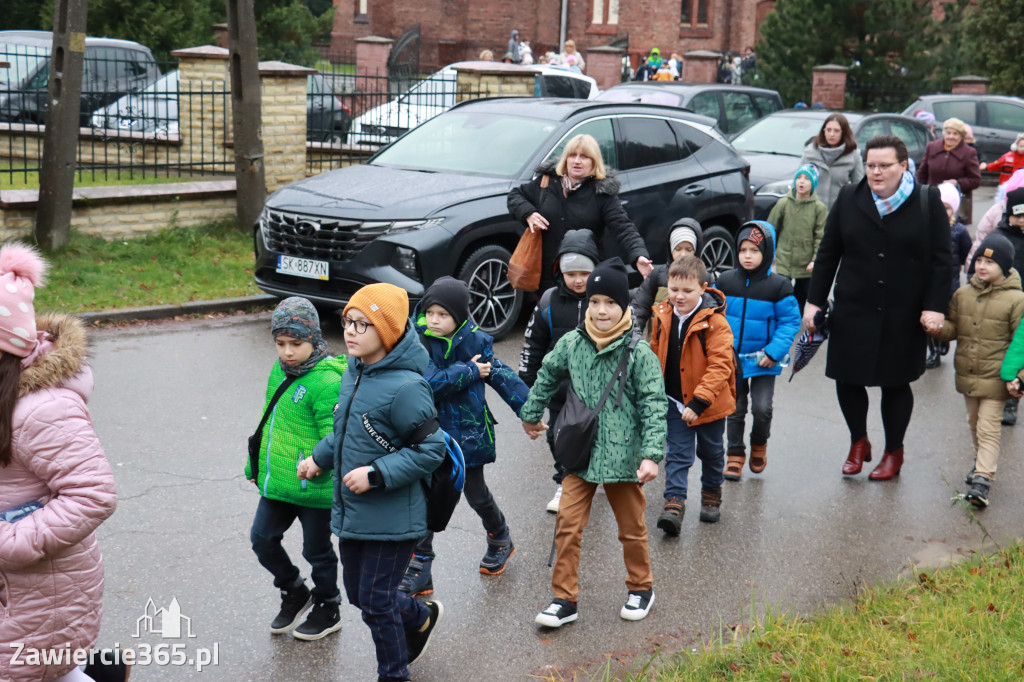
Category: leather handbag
[525,264]
[575,429]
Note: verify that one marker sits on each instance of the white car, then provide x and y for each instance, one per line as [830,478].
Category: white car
[436,94]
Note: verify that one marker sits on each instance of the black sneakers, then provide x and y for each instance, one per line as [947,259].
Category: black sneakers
[978,494]
[638,605]
[560,612]
[322,621]
[417,641]
[294,602]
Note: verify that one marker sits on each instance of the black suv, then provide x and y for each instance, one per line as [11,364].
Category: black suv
[434,202]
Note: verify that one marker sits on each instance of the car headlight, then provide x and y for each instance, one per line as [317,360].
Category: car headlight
[400,226]
[406,262]
[779,188]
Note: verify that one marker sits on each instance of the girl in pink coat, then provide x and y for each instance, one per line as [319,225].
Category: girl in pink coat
[55,483]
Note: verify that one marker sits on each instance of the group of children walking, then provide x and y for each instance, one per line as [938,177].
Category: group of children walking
[714,351]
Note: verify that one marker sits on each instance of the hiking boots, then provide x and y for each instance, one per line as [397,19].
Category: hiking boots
[294,602]
[560,612]
[671,519]
[1010,412]
[638,605]
[735,459]
[758,457]
[417,578]
[499,551]
[417,641]
[324,619]
[553,504]
[710,504]
[978,494]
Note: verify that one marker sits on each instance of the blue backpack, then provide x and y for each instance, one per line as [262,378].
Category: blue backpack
[443,488]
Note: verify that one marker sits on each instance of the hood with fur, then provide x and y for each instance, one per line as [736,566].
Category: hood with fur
[62,365]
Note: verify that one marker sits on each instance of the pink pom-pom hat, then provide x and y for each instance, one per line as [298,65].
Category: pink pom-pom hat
[22,269]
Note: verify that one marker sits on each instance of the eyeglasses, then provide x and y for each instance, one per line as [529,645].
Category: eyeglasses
[872,167]
[359,326]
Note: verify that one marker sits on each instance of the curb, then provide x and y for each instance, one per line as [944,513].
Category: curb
[157,312]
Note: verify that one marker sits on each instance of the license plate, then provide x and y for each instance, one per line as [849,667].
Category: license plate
[303,267]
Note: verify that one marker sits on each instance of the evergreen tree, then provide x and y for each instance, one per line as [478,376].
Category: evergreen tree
[996,28]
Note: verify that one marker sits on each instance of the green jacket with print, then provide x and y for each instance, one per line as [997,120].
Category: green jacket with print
[301,417]
[634,431]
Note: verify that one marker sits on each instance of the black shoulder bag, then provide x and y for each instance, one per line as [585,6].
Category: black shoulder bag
[577,425]
[257,438]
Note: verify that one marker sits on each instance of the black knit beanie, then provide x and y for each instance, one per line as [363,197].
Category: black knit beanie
[452,295]
[998,248]
[610,279]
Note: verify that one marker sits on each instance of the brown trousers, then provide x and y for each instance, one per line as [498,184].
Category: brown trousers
[627,501]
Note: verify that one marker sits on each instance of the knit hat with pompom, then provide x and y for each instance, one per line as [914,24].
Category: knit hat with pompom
[22,269]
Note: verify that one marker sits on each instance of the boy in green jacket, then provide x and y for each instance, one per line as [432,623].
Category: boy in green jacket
[297,421]
[799,221]
[630,440]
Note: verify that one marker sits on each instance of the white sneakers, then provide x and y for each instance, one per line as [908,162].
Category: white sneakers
[553,504]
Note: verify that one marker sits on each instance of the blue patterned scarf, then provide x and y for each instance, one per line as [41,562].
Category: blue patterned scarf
[887,206]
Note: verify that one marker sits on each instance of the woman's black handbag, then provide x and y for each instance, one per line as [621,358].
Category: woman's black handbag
[575,430]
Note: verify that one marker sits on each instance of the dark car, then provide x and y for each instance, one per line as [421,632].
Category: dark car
[995,119]
[111,69]
[775,144]
[733,106]
[433,203]
[155,110]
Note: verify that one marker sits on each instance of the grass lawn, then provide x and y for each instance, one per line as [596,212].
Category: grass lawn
[173,266]
[21,178]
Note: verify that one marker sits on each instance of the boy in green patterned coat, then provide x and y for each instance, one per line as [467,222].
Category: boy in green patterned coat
[302,416]
[630,440]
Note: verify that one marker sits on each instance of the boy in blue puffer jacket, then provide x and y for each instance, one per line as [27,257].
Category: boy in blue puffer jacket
[765,318]
[462,362]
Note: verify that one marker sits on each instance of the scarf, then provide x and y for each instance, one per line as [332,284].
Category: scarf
[318,354]
[887,206]
[830,154]
[568,187]
[603,339]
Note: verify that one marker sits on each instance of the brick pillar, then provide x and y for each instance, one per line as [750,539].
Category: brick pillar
[220,35]
[701,66]
[284,122]
[970,85]
[371,73]
[495,80]
[828,86]
[604,64]
[204,106]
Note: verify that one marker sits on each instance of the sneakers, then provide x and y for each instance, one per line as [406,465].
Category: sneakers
[553,504]
[417,641]
[417,578]
[560,612]
[322,621]
[1010,412]
[638,605]
[294,602]
[710,504]
[671,519]
[978,494]
[498,554]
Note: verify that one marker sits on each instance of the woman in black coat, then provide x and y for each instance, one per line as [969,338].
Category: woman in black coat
[577,193]
[892,241]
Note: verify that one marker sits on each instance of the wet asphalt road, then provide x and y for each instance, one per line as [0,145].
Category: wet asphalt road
[175,402]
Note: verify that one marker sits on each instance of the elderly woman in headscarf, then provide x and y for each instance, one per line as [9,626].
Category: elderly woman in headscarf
[952,159]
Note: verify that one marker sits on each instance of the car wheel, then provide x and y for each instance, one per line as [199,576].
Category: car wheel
[719,252]
[493,304]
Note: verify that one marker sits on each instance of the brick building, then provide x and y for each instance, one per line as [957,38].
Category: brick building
[453,30]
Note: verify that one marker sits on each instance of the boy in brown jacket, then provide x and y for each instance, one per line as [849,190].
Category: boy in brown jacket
[694,344]
[983,316]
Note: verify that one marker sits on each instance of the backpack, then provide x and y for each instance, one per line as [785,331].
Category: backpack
[443,488]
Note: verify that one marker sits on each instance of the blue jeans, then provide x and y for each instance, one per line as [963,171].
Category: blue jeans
[273,518]
[684,442]
[371,572]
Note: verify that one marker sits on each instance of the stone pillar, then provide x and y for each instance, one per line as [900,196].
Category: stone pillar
[284,122]
[495,80]
[204,106]
[970,85]
[371,73]
[828,86]
[701,66]
[604,64]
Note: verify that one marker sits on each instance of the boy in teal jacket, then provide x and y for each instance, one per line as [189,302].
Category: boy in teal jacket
[297,421]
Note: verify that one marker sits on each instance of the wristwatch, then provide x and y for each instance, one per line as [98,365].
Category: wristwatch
[374,477]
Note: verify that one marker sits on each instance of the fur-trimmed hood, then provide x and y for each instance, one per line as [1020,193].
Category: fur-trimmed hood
[610,185]
[64,363]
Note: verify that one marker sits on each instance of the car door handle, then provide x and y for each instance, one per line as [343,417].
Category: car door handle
[695,189]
